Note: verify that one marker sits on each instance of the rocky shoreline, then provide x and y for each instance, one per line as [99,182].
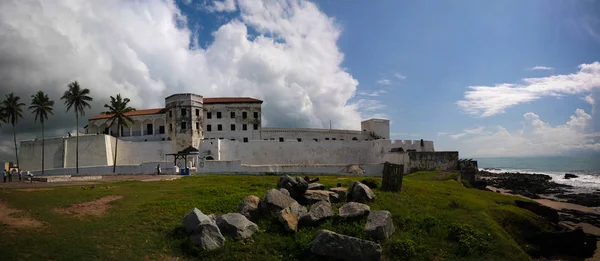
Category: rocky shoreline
[541,186]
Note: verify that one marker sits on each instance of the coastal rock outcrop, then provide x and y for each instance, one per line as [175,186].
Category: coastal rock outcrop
[574,243]
[334,245]
[548,213]
[570,176]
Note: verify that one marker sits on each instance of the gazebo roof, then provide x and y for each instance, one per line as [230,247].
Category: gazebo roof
[187,151]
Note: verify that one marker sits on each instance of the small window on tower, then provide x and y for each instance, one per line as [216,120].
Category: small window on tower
[255,126]
[170,114]
[218,115]
[232,114]
[197,125]
[198,112]
[183,112]
[170,127]
[245,139]
[244,115]
[208,127]
[183,125]
[280,139]
[209,115]
[256,115]
[244,127]
[219,127]
[326,138]
[232,127]
[299,140]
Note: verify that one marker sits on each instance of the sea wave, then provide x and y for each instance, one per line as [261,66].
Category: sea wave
[587,181]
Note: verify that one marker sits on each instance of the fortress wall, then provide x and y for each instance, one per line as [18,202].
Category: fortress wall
[307,134]
[131,152]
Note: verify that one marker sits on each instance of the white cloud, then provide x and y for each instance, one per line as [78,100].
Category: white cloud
[589,99]
[222,6]
[294,64]
[474,131]
[491,100]
[541,68]
[457,136]
[372,93]
[186,2]
[536,137]
[384,82]
[400,76]
[441,133]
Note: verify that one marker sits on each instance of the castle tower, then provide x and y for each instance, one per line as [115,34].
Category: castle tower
[377,128]
[184,117]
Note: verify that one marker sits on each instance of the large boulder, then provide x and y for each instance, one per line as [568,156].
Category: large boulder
[379,225]
[570,176]
[359,192]
[193,219]
[275,200]
[316,186]
[208,236]
[313,196]
[318,211]
[204,231]
[296,186]
[546,212]
[289,216]
[249,207]
[342,192]
[354,210]
[236,225]
[334,245]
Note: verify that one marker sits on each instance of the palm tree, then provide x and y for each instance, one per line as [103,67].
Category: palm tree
[77,98]
[12,113]
[41,106]
[117,109]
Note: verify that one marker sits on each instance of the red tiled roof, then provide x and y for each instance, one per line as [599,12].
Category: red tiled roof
[216,100]
[133,113]
[231,100]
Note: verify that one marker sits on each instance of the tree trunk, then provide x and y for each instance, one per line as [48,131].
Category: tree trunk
[116,147]
[77,143]
[43,147]
[16,151]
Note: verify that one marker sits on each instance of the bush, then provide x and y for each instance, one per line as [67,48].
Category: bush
[469,241]
[428,224]
[403,249]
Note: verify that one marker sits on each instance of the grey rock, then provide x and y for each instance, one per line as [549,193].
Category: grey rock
[315,186]
[313,196]
[208,236]
[289,219]
[318,211]
[353,210]
[298,209]
[284,191]
[341,192]
[236,225]
[193,219]
[359,192]
[334,245]
[275,201]
[249,207]
[296,186]
[379,225]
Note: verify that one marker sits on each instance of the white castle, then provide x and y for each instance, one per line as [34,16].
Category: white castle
[225,135]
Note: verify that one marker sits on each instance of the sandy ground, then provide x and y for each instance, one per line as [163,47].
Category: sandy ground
[15,218]
[94,208]
[27,186]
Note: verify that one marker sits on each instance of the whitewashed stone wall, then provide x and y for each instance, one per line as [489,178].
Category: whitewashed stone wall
[310,135]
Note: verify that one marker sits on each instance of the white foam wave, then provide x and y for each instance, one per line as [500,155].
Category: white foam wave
[583,183]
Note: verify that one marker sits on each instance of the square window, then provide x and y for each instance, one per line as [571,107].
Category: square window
[256,115]
[183,125]
[244,115]
[244,127]
[280,139]
[198,112]
[161,129]
[245,139]
[208,127]
[332,138]
[219,127]
[232,127]
[209,115]
[218,115]
[326,138]
[197,125]
[299,139]
[255,126]
[232,114]
[183,112]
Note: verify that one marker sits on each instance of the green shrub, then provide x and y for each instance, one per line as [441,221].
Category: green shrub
[428,223]
[469,241]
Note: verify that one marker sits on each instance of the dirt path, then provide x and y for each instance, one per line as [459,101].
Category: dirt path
[105,179]
[94,208]
[15,218]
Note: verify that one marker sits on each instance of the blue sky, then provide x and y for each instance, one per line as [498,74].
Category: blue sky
[460,73]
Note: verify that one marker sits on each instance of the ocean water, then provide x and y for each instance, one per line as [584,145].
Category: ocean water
[587,167]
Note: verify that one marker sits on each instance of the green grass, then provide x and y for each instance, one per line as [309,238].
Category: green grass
[436,218]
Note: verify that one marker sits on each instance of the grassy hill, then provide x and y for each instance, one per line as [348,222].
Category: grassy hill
[436,218]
